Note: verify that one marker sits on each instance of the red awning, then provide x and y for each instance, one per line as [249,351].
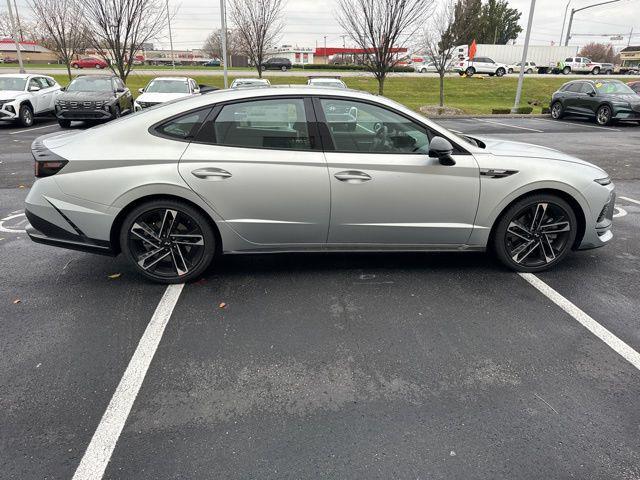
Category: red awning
[327,52]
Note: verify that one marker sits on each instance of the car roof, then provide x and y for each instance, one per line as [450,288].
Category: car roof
[22,75]
[101,75]
[171,78]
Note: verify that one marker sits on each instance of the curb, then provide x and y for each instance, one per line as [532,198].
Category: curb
[484,115]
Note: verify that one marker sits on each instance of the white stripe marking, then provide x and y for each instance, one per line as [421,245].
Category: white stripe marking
[585,320]
[579,124]
[95,459]
[621,212]
[32,129]
[630,200]
[507,125]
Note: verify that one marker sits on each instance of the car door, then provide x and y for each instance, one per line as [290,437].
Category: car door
[259,165]
[385,189]
[589,100]
[572,98]
[45,95]
[125,98]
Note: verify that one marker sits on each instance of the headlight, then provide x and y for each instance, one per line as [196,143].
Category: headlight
[603,181]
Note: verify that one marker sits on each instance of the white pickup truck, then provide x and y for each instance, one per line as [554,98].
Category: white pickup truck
[580,65]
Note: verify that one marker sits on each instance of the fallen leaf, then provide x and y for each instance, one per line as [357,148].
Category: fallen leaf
[222,305]
[21,186]
[17,301]
[115,275]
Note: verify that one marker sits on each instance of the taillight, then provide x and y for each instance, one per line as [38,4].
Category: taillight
[47,168]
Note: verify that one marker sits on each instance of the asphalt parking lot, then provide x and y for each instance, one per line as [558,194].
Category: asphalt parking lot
[429,366]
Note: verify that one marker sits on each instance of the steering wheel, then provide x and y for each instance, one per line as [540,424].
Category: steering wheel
[381,141]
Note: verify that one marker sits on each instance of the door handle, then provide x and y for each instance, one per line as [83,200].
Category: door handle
[218,173]
[353,176]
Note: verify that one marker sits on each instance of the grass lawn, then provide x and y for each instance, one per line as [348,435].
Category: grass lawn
[475,95]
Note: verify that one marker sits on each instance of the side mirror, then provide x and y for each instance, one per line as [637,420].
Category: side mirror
[34,89]
[119,90]
[63,89]
[196,90]
[592,93]
[441,149]
[141,90]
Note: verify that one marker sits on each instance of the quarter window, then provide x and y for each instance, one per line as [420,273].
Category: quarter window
[362,127]
[183,127]
[279,123]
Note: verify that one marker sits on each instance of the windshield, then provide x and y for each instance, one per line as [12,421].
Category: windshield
[168,86]
[327,83]
[12,83]
[613,88]
[90,84]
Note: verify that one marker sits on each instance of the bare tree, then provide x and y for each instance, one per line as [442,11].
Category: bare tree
[440,41]
[213,44]
[259,24]
[120,27]
[61,29]
[380,28]
[6,29]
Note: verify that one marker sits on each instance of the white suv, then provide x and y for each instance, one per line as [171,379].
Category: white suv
[23,96]
[480,65]
[580,65]
[164,89]
[529,67]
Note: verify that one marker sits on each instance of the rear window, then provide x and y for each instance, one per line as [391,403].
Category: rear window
[184,126]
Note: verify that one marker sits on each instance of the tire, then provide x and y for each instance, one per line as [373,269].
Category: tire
[75,65]
[470,71]
[609,72]
[530,71]
[263,68]
[566,70]
[283,68]
[424,70]
[64,123]
[500,72]
[116,112]
[604,115]
[510,71]
[25,115]
[98,66]
[557,110]
[595,71]
[183,256]
[523,243]
[461,73]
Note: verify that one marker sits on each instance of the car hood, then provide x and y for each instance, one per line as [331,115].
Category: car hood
[9,94]
[506,148]
[86,96]
[154,97]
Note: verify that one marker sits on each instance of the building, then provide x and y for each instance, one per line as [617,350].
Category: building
[297,55]
[630,56]
[349,55]
[31,52]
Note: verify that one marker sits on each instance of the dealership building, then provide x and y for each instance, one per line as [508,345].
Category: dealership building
[31,52]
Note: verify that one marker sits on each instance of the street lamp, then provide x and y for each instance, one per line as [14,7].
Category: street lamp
[564,20]
[576,10]
[516,104]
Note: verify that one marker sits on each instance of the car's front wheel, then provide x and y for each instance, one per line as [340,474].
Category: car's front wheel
[64,123]
[556,111]
[284,68]
[500,72]
[566,70]
[25,116]
[510,71]
[535,233]
[168,241]
[603,115]
[470,71]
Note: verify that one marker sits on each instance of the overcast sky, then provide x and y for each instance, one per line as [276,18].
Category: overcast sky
[308,21]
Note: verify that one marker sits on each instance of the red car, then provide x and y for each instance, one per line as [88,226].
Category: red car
[89,62]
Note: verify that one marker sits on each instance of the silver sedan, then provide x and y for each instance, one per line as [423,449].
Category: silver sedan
[304,169]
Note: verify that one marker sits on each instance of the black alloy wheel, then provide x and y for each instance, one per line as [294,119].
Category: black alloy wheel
[25,115]
[470,71]
[535,233]
[168,241]
[500,72]
[603,115]
[556,111]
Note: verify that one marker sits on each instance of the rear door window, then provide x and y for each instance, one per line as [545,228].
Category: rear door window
[184,126]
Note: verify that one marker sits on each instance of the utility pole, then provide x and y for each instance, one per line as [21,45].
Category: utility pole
[564,20]
[173,59]
[326,56]
[576,10]
[223,26]
[15,6]
[13,34]
[344,46]
[630,35]
[527,37]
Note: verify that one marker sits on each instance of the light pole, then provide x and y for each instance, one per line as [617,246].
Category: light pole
[564,19]
[13,34]
[223,26]
[576,10]
[516,104]
[173,58]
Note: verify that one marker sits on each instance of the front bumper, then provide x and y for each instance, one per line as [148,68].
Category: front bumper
[9,111]
[626,113]
[82,114]
[599,233]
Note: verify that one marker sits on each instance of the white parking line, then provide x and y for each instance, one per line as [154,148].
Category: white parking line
[579,124]
[585,320]
[630,200]
[508,125]
[95,459]
[19,132]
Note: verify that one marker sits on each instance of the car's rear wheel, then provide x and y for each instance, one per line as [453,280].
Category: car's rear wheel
[98,66]
[168,241]
[595,71]
[557,110]
[530,71]
[500,72]
[25,116]
[566,70]
[64,123]
[470,71]
[284,68]
[510,71]
[535,233]
[603,115]
[75,65]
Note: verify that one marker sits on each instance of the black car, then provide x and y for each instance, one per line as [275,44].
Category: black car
[283,64]
[606,101]
[93,98]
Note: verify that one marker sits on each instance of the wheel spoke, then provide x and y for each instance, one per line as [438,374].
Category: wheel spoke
[524,250]
[167,222]
[556,227]
[538,216]
[162,252]
[186,239]
[178,260]
[143,233]
[519,231]
[146,229]
[547,249]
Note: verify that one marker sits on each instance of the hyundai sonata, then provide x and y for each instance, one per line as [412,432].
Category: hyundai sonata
[303,169]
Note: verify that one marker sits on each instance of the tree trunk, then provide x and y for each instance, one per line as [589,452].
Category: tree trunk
[381,85]
[442,89]
[69,68]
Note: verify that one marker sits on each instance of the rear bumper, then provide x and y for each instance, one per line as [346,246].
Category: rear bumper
[42,231]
